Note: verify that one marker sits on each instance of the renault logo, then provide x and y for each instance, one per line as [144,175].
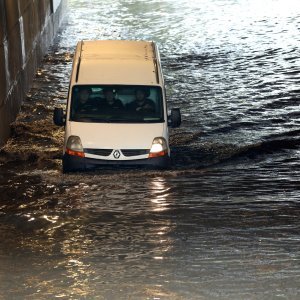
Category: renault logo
[117,154]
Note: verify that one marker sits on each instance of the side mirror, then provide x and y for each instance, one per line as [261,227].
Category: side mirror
[58,116]
[174,119]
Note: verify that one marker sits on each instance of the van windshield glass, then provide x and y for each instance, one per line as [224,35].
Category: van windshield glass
[117,103]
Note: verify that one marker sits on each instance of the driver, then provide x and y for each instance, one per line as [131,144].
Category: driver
[141,102]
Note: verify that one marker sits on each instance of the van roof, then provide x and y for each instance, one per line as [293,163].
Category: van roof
[117,62]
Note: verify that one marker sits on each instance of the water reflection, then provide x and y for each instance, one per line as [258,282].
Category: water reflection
[160,194]
[78,245]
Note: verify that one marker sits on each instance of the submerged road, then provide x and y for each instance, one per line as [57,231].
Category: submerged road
[223,222]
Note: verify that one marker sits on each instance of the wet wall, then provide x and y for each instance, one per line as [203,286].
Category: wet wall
[27,28]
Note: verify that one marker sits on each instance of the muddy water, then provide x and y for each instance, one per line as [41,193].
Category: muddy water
[223,222]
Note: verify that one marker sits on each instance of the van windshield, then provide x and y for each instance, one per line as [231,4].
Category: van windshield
[117,103]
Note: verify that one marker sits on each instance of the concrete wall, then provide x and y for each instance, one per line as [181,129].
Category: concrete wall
[27,28]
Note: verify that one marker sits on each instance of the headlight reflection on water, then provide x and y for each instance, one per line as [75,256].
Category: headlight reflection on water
[160,194]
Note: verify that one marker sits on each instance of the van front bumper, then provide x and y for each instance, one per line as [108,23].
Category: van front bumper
[74,163]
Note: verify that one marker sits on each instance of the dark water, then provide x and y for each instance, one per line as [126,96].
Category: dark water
[223,223]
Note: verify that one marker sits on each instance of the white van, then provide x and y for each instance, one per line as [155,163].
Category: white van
[116,111]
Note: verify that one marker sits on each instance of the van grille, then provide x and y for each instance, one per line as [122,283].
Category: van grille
[101,152]
[134,152]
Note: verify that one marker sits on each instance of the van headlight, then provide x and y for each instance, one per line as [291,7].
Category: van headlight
[74,146]
[159,147]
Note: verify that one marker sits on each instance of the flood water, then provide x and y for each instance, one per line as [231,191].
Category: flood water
[223,222]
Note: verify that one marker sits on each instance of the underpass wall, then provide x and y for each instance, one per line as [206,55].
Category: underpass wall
[27,28]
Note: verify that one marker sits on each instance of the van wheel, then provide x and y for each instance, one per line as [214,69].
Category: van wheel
[65,168]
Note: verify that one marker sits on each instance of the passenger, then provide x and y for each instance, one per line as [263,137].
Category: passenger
[84,103]
[110,102]
[141,102]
